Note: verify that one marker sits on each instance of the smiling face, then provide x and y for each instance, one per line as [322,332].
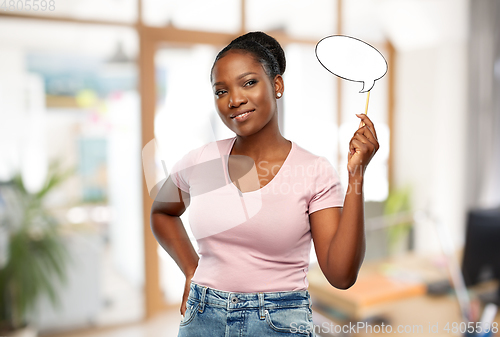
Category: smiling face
[241,85]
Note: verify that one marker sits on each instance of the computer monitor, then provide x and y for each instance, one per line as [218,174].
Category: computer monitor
[481,259]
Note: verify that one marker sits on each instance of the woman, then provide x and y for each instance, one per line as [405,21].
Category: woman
[254,229]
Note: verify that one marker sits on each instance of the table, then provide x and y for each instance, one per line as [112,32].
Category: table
[390,291]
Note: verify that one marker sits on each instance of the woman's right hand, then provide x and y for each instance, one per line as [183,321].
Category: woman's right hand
[187,287]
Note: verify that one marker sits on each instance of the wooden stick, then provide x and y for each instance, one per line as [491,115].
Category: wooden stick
[366,107]
[367,99]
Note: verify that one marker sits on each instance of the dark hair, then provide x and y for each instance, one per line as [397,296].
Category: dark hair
[265,49]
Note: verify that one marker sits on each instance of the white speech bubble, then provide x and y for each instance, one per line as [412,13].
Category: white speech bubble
[351,59]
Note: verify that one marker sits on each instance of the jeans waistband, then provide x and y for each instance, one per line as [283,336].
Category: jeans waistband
[237,301]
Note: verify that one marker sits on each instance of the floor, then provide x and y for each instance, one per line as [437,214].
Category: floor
[121,311]
[122,302]
[163,325]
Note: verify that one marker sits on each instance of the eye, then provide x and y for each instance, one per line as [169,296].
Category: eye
[250,83]
[218,93]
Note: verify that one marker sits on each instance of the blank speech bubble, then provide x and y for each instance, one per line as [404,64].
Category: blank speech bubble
[351,59]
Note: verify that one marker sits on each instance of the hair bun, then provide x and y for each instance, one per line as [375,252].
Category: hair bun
[267,42]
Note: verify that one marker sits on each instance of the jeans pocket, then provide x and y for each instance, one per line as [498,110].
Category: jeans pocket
[191,310]
[289,320]
[310,314]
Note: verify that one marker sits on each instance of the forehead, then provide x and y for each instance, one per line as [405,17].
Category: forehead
[235,63]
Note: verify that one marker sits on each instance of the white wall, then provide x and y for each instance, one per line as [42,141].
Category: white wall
[12,109]
[430,118]
[124,186]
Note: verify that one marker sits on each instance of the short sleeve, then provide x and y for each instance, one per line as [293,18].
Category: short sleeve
[181,170]
[328,191]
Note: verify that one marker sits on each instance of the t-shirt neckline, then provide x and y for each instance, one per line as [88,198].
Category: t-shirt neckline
[287,159]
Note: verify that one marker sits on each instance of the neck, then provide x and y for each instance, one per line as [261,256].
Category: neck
[266,143]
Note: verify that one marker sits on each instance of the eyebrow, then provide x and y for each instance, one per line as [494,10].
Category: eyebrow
[239,77]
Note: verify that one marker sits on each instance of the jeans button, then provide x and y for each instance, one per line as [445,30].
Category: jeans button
[234,300]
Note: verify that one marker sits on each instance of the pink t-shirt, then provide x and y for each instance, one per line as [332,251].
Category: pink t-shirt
[258,241]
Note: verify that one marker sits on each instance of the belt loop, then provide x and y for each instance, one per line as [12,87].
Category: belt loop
[202,300]
[261,306]
[309,299]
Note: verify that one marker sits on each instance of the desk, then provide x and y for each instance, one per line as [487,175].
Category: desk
[394,289]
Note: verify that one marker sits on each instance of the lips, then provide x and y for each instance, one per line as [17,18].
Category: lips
[240,113]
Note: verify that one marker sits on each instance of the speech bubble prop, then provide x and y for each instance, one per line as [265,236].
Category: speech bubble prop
[351,59]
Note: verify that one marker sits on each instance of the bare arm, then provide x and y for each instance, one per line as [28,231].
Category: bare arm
[348,246]
[339,234]
[339,238]
[172,236]
[169,231]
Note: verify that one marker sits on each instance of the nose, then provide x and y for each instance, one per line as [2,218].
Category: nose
[236,98]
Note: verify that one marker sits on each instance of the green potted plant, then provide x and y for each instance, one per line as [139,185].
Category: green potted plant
[398,202]
[35,253]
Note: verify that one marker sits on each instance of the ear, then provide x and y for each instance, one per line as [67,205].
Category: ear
[279,86]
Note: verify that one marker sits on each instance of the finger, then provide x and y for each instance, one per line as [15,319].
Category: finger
[352,148]
[357,143]
[367,132]
[364,143]
[363,138]
[371,127]
[183,306]
[364,118]
[372,134]
[361,125]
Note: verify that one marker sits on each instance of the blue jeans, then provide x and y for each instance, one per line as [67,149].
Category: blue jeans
[215,313]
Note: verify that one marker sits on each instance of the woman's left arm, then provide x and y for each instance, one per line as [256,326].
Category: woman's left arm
[338,233]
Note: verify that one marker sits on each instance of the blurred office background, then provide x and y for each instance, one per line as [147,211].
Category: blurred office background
[92,83]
